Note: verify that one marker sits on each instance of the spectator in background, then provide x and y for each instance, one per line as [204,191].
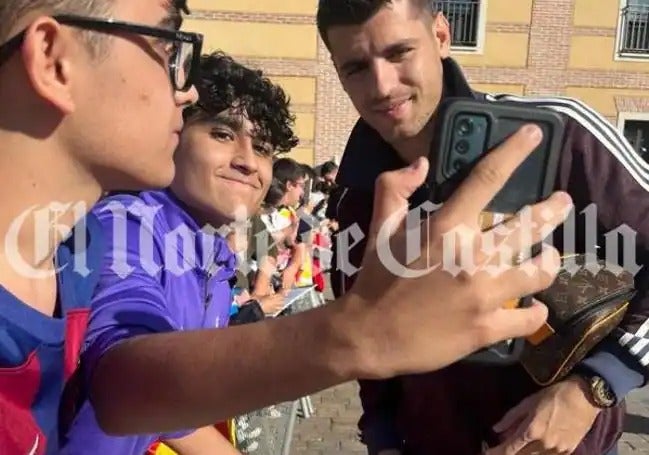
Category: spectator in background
[292,177]
[328,173]
[273,238]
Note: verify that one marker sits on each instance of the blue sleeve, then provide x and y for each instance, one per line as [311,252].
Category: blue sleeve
[129,299]
[621,371]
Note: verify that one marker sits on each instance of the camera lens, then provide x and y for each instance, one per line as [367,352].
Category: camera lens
[462,147]
[465,127]
[459,164]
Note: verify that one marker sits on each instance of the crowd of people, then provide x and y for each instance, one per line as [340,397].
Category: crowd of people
[288,241]
[152,309]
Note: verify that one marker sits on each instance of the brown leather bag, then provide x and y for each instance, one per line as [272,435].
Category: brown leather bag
[584,307]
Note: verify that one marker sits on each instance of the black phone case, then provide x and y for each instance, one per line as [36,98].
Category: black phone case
[503,120]
[532,182]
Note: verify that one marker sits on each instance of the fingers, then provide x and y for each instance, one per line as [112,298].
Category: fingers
[489,176]
[391,198]
[504,324]
[528,278]
[529,227]
[515,444]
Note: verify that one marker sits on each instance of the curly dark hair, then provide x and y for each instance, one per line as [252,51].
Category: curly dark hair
[225,84]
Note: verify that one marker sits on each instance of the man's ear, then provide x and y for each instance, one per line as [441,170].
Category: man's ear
[442,33]
[46,53]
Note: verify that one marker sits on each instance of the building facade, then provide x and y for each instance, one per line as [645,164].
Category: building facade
[593,50]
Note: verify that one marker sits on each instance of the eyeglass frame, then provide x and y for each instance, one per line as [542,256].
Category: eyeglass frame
[110,25]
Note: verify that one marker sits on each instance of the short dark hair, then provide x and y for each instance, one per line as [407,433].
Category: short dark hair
[225,84]
[309,172]
[328,167]
[355,12]
[287,170]
[275,193]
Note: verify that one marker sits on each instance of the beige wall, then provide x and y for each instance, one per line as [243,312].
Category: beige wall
[548,47]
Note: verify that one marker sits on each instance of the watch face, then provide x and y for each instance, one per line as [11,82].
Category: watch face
[602,392]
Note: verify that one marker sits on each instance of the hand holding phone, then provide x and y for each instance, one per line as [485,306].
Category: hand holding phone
[466,130]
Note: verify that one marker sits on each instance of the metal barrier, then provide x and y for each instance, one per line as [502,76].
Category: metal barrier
[269,431]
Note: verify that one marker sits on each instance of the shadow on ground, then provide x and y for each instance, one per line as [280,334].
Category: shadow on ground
[636,424]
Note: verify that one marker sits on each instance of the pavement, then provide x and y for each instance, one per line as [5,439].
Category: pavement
[332,430]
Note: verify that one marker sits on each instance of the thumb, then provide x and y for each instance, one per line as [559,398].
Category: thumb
[391,195]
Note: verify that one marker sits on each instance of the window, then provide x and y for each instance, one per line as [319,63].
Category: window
[636,130]
[467,22]
[633,31]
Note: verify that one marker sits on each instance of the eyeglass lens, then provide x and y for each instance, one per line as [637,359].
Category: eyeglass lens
[182,64]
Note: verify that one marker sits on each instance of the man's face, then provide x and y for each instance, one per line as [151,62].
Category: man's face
[128,118]
[295,192]
[390,67]
[330,176]
[222,170]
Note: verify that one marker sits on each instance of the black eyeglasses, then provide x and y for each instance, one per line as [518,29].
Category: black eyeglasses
[184,59]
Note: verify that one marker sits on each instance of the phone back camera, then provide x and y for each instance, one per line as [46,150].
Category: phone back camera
[462,147]
[459,163]
[467,142]
[465,127]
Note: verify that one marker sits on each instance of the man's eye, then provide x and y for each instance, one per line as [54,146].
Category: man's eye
[264,150]
[167,47]
[355,70]
[222,135]
[400,54]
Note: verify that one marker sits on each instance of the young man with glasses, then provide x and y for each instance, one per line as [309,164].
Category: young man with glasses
[89,104]
[87,111]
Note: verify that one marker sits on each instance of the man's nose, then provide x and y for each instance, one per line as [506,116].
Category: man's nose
[385,78]
[187,98]
[246,160]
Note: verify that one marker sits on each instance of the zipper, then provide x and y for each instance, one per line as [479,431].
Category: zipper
[616,297]
[207,295]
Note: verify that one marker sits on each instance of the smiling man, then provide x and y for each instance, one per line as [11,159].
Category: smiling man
[74,123]
[393,60]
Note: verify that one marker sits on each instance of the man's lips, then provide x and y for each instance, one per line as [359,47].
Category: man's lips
[394,108]
[241,181]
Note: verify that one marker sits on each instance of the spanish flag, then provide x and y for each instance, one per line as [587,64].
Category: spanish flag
[227,429]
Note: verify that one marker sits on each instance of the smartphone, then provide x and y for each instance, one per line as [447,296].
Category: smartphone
[466,130]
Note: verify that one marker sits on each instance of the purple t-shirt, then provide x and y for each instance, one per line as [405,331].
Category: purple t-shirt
[161,273]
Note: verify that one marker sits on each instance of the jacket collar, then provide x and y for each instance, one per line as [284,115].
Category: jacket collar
[212,253]
[367,155]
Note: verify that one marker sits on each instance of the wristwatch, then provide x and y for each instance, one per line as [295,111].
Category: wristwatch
[598,390]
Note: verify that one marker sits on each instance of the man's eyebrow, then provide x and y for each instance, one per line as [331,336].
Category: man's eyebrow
[172,21]
[399,45]
[233,122]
